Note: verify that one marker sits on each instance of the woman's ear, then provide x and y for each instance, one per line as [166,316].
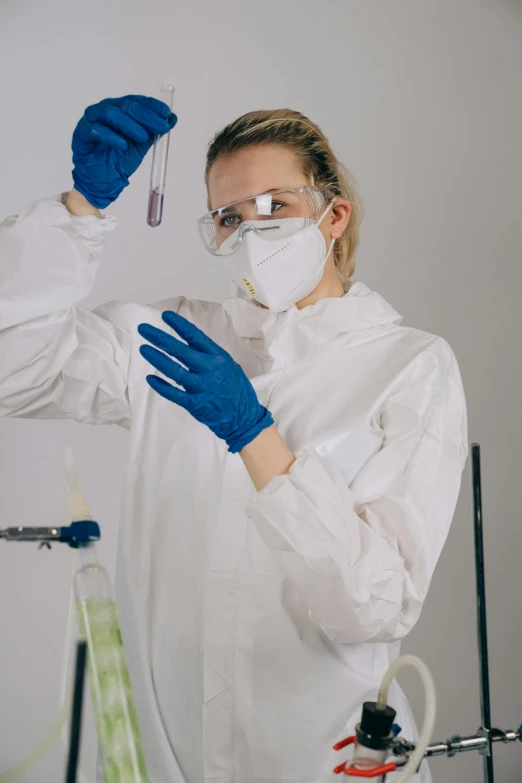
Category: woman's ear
[341,211]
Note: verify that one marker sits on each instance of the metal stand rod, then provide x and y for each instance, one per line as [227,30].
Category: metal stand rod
[482,632]
[76,715]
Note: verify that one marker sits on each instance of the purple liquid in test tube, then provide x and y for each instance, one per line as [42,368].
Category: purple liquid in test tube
[158,172]
[155,208]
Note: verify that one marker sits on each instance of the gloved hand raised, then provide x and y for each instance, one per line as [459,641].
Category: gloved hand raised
[111,140]
[216,390]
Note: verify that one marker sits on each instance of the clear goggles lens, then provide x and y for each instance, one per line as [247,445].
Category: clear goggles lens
[272,216]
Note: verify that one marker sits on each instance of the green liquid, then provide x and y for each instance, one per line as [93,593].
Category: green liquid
[114,710]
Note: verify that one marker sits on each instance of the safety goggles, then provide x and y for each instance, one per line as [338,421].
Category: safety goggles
[274,215]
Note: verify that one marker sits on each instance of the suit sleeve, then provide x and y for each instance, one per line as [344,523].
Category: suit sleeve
[58,360]
[362,557]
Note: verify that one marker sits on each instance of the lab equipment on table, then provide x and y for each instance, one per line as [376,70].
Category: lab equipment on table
[158,174]
[110,686]
[378,747]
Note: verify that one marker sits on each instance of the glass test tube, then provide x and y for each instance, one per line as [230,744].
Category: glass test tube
[109,679]
[367,758]
[158,172]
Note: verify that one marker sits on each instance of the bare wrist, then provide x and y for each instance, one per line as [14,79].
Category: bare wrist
[78,205]
[266,456]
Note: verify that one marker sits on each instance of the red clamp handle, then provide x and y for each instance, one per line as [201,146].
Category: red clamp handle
[370,773]
[353,772]
[339,746]
[344,743]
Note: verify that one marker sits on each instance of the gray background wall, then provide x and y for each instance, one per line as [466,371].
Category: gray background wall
[423,101]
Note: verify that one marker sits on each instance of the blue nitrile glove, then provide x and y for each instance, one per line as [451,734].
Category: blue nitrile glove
[111,140]
[217,391]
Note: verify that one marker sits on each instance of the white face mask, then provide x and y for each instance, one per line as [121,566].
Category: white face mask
[279,272]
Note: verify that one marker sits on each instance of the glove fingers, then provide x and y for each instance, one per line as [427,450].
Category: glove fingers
[189,332]
[169,392]
[147,117]
[101,134]
[170,368]
[174,347]
[120,121]
[154,104]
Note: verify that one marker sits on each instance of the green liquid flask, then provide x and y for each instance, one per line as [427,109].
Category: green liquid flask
[109,680]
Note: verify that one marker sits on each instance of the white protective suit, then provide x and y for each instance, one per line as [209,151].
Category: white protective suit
[255,623]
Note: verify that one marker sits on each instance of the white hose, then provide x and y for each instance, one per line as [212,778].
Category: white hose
[430,709]
[38,752]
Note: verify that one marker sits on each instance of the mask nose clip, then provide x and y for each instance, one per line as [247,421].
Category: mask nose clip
[275,227]
[244,228]
[248,228]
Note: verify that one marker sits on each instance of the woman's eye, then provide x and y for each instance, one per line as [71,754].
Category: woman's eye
[276,205]
[227,221]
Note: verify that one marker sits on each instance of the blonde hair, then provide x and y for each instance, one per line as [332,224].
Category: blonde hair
[318,163]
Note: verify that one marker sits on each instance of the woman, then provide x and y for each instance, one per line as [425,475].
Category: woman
[295,458]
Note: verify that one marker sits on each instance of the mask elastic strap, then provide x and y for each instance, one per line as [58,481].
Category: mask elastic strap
[321,266]
[328,208]
[329,250]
